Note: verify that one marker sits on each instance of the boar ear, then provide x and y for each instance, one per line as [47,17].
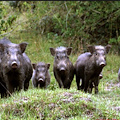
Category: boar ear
[107,48]
[52,50]
[23,46]
[34,66]
[2,47]
[91,49]
[48,65]
[69,49]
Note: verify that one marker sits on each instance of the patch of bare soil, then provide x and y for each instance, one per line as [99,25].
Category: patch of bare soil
[69,97]
[112,86]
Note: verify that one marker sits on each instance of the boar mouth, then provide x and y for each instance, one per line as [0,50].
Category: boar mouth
[14,65]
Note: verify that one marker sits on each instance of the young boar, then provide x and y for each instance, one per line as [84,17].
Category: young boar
[89,65]
[41,76]
[16,66]
[63,68]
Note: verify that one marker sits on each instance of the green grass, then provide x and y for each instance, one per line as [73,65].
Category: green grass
[54,103]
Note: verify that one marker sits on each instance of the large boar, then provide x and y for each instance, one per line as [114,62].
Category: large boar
[41,76]
[16,66]
[63,68]
[89,65]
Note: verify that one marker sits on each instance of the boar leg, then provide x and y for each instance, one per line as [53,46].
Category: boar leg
[96,82]
[60,83]
[67,84]
[90,87]
[86,81]
[26,85]
[9,88]
[21,84]
[58,79]
[78,82]
[82,85]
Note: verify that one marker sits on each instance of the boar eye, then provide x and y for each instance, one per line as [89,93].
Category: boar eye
[57,57]
[7,53]
[37,70]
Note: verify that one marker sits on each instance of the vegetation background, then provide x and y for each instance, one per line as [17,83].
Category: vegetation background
[76,24]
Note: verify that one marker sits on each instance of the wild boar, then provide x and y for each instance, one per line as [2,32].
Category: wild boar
[89,65]
[41,75]
[63,68]
[16,66]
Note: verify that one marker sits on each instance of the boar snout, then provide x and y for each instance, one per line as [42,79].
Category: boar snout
[100,76]
[102,64]
[40,80]
[62,69]
[14,65]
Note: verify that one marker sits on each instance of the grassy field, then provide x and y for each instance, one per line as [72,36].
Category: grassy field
[54,103]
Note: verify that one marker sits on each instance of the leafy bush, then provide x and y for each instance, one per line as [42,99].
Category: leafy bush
[6,17]
[77,23]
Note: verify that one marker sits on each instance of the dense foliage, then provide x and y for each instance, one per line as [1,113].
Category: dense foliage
[7,17]
[78,23]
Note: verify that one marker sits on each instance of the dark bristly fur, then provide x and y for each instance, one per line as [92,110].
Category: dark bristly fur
[41,76]
[16,66]
[88,67]
[63,68]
